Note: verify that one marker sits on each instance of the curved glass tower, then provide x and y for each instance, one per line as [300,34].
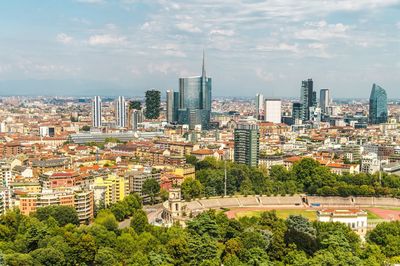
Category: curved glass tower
[378,110]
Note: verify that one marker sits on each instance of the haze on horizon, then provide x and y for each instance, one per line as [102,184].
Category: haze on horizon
[124,47]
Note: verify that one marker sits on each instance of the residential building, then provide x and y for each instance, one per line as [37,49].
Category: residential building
[247,144]
[120,112]
[110,189]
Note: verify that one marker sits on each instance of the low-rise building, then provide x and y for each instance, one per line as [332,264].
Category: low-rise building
[354,218]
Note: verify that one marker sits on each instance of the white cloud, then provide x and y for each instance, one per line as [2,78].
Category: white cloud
[322,30]
[64,38]
[227,33]
[188,27]
[263,75]
[106,39]
[169,49]
[398,25]
[163,68]
[283,47]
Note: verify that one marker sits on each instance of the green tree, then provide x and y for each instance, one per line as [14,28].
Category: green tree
[135,105]
[151,187]
[18,259]
[302,233]
[62,214]
[191,188]
[107,219]
[139,221]
[106,256]
[48,256]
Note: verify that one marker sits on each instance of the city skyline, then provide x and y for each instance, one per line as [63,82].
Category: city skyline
[127,47]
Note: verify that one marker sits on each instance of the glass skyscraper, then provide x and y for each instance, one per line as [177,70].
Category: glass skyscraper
[378,110]
[195,100]
[307,98]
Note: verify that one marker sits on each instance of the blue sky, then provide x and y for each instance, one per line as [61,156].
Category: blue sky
[88,47]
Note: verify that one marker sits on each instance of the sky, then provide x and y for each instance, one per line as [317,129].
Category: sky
[124,47]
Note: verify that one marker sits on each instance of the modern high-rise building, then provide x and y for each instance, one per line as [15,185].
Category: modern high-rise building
[195,100]
[378,109]
[120,111]
[307,98]
[324,100]
[260,105]
[136,118]
[247,144]
[172,106]
[297,111]
[96,111]
[153,100]
[273,112]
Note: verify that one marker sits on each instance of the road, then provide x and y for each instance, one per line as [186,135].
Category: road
[153,212]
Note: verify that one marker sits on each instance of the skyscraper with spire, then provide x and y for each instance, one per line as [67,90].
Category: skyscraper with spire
[195,100]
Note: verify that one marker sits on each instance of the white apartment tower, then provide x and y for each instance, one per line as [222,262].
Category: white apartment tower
[120,112]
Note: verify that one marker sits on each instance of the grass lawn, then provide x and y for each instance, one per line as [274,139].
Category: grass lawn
[282,213]
[372,216]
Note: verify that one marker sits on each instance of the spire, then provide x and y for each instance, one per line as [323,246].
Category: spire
[203,71]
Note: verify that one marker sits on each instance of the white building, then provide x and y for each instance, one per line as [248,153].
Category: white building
[273,111]
[120,112]
[353,218]
[96,112]
[370,163]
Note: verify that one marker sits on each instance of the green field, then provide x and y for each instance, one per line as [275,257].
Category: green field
[372,216]
[282,213]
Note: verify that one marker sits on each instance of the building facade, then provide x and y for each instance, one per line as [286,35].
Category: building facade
[247,144]
[273,111]
[120,112]
[307,98]
[378,109]
[195,100]
[96,112]
[324,100]
[260,104]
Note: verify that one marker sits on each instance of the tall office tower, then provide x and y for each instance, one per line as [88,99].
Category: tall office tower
[260,106]
[136,118]
[172,106]
[120,111]
[378,109]
[96,112]
[324,100]
[297,111]
[273,112]
[247,144]
[307,98]
[153,100]
[195,100]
